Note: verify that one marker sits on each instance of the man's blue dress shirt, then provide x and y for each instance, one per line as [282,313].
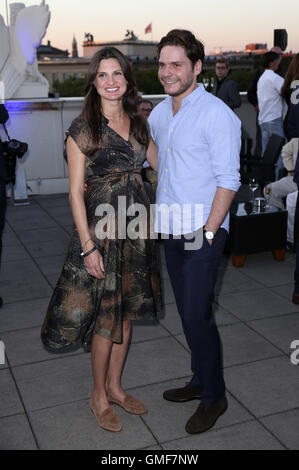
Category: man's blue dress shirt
[198,151]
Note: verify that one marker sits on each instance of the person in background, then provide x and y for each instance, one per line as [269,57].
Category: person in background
[2,202]
[293,124]
[149,175]
[3,179]
[225,88]
[295,296]
[286,91]
[270,102]
[146,107]
[252,98]
[286,187]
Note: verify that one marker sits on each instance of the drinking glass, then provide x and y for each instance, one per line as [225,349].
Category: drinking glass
[253,185]
[267,192]
[206,82]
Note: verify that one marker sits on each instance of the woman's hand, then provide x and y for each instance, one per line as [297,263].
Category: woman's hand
[94,265]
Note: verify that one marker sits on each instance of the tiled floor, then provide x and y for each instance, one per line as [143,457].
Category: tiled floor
[44,397]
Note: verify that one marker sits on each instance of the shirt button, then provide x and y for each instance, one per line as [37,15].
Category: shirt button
[166,171]
[168,150]
[164,190]
[171,129]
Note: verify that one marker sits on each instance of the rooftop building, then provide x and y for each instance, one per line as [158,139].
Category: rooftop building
[45,51]
[131,46]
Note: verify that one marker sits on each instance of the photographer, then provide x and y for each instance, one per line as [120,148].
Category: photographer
[2,200]
[10,150]
[3,179]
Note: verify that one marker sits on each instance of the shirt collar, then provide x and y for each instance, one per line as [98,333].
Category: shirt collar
[199,90]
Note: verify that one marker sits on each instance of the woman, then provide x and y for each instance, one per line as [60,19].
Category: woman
[292,75]
[108,279]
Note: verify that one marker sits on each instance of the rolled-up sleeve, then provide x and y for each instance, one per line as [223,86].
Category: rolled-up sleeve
[223,132]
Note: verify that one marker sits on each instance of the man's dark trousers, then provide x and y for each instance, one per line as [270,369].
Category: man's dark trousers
[2,196]
[193,275]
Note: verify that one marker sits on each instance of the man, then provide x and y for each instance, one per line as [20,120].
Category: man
[2,201]
[252,90]
[3,119]
[270,103]
[252,98]
[225,88]
[198,140]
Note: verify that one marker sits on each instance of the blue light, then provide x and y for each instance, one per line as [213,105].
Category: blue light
[16,106]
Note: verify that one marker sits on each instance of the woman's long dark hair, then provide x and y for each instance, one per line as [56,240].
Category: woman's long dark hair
[91,111]
[291,75]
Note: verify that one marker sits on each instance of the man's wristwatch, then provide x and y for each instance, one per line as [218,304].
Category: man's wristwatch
[208,234]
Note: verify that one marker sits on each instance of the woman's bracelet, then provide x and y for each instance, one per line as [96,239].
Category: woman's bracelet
[83,246]
[83,255]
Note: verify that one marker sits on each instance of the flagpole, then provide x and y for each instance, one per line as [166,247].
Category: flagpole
[152,29]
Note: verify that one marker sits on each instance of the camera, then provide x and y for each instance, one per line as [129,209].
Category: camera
[10,149]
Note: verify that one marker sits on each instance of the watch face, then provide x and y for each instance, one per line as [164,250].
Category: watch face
[209,235]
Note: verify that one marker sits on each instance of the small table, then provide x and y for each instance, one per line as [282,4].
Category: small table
[255,232]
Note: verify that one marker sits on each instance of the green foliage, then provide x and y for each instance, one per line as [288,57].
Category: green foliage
[148,82]
[242,78]
[71,87]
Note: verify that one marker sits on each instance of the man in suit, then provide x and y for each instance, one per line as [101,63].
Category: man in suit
[198,139]
[225,88]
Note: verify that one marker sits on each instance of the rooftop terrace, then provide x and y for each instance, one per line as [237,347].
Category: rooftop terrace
[44,397]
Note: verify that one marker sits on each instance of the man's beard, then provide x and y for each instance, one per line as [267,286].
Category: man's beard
[184,87]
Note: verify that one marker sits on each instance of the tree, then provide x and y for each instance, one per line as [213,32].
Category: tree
[70,87]
[148,82]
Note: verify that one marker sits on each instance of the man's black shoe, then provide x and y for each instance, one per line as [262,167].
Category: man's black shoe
[1,302]
[186,393]
[206,416]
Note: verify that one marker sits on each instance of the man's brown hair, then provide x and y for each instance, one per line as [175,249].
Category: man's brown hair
[181,37]
[222,60]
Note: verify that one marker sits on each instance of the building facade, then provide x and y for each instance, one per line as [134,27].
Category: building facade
[134,49]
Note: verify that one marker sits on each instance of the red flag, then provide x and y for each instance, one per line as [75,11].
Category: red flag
[148,29]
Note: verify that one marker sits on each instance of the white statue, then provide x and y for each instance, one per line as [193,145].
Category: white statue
[18,63]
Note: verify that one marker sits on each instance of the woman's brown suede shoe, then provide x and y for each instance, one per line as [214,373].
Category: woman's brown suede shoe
[130,404]
[108,419]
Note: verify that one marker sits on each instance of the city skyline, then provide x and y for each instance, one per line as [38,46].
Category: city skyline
[221,25]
